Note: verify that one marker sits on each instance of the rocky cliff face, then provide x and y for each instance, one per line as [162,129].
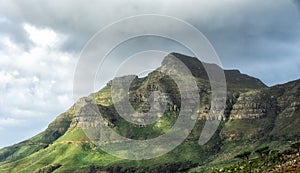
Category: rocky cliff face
[257,103]
[252,105]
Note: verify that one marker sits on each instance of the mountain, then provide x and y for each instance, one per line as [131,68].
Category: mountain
[254,116]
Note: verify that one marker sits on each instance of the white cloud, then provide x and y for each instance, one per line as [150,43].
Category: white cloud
[42,37]
[35,84]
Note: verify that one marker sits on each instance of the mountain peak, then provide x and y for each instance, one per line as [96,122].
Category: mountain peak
[233,77]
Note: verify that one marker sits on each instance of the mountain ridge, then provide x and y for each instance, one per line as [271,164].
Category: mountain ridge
[253,112]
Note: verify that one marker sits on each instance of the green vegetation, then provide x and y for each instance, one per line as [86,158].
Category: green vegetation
[296,146]
[244,156]
[275,160]
[262,151]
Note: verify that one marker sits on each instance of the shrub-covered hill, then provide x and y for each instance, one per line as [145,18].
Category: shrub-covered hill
[255,115]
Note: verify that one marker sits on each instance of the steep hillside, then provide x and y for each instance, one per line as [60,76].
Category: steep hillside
[255,115]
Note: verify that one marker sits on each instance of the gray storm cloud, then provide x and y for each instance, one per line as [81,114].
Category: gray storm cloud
[225,23]
[260,38]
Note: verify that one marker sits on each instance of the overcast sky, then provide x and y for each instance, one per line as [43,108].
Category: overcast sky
[40,42]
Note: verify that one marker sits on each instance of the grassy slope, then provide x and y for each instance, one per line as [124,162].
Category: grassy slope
[74,152]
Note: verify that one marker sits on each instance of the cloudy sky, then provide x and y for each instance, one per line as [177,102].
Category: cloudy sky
[40,42]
